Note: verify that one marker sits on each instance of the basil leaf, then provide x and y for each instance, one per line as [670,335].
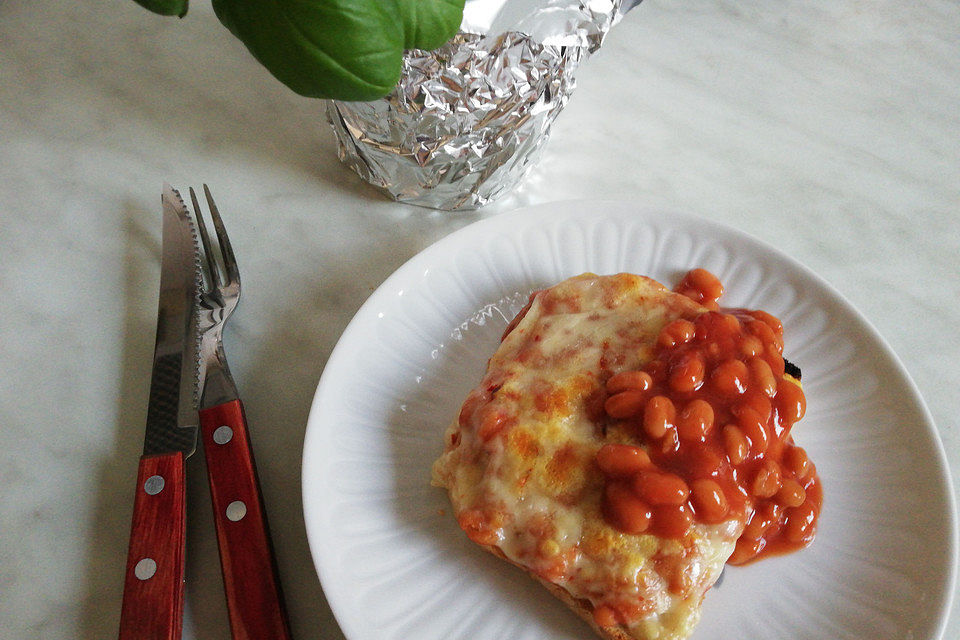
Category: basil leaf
[348,49]
[427,24]
[165,7]
[342,49]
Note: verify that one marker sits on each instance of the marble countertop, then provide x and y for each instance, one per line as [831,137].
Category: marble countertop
[828,129]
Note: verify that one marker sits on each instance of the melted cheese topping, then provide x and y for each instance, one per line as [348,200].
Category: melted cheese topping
[520,461]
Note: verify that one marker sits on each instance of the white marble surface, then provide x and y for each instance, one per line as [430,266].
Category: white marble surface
[829,129]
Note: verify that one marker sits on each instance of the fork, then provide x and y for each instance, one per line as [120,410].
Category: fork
[251,581]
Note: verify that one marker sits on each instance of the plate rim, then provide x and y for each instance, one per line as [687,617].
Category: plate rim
[614,208]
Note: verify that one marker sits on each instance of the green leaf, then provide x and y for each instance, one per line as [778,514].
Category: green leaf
[427,24]
[165,7]
[342,49]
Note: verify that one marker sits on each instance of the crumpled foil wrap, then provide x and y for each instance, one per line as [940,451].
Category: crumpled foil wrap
[468,121]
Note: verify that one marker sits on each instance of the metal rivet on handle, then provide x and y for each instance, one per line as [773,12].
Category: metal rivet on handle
[236,510]
[223,435]
[145,569]
[153,485]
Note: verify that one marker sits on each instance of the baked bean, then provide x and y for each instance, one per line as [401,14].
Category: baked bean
[693,294]
[695,420]
[767,481]
[731,323]
[746,550]
[799,523]
[687,374]
[772,321]
[622,460]
[657,488]
[626,511]
[702,462]
[791,403]
[625,404]
[713,327]
[798,463]
[762,330]
[730,378]
[629,381]
[710,351]
[772,512]
[658,415]
[677,332]
[756,527]
[791,494]
[705,326]
[672,521]
[670,443]
[761,377]
[702,286]
[709,500]
[756,402]
[754,427]
[775,360]
[750,346]
[736,444]
[774,349]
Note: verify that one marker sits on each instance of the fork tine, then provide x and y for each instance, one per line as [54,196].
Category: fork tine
[211,269]
[226,249]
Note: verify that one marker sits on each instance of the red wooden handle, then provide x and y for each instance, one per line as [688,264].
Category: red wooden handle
[153,585]
[254,597]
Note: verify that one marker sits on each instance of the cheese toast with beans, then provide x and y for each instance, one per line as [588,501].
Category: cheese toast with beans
[626,442]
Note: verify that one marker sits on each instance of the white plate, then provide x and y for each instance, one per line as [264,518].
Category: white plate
[394,564]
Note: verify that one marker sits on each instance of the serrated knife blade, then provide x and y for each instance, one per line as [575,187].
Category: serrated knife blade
[153,583]
[172,411]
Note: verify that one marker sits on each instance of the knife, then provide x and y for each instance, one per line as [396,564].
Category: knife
[153,584]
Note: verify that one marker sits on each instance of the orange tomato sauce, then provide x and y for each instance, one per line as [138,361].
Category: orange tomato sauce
[711,416]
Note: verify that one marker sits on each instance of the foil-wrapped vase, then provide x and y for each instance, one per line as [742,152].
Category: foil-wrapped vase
[467,121]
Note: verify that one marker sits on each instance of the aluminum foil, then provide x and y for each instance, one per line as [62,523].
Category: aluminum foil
[468,121]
